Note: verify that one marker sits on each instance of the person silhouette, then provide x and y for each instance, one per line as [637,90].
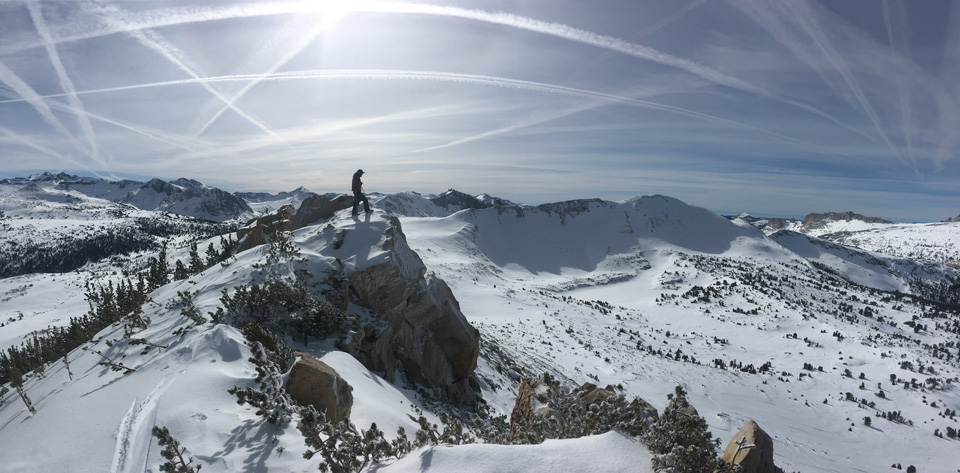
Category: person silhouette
[358,196]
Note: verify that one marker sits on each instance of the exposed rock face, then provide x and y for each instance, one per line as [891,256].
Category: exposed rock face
[777,224]
[314,382]
[420,327]
[755,459]
[287,219]
[818,220]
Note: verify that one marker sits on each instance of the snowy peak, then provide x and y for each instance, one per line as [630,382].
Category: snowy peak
[454,200]
[414,204]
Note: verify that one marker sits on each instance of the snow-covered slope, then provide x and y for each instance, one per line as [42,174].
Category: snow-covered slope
[923,242]
[652,293]
[645,294]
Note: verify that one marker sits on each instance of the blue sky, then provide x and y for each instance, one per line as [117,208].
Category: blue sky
[769,107]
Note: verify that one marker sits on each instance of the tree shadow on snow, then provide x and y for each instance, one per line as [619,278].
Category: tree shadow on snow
[255,437]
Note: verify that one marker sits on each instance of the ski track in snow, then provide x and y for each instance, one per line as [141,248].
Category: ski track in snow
[133,436]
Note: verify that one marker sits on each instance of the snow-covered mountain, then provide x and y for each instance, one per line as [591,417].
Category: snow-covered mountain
[848,358]
[413,204]
[182,196]
[937,242]
[265,202]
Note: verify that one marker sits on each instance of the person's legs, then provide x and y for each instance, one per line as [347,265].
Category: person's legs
[366,204]
[356,201]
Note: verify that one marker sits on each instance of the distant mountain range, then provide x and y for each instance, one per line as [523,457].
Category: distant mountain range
[181,196]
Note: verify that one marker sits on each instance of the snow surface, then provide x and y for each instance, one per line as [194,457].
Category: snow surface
[571,288]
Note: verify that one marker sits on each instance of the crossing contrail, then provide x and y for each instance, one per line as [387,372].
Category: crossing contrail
[806,19]
[30,96]
[169,52]
[181,15]
[459,78]
[895,51]
[36,14]
[296,45]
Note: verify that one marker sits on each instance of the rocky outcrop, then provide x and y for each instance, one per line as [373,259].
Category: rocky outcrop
[775,224]
[313,382]
[287,219]
[752,449]
[819,220]
[419,328]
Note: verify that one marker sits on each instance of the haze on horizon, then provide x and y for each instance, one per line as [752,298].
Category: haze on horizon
[773,108]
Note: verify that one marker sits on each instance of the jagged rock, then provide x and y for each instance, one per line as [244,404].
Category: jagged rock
[420,326]
[526,403]
[755,459]
[777,224]
[317,207]
[287,219]
[313,382]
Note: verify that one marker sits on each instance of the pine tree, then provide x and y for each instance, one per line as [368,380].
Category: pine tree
[162,269]
[196,264]
[213,256]
[180,271]
[173,452]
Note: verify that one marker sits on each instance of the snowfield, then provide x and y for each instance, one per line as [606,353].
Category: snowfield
[645,295]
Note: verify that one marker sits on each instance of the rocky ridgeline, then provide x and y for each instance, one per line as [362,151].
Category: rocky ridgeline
[417,325]
[819,220]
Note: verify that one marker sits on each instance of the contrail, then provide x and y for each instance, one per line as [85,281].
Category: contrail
[28,95]
[172,54]
[528,122]
[153,134]
[33,144]
[176,16]
[905,113]
[670,19]
[41,26]
[810,25]
[297,45]
[460,78]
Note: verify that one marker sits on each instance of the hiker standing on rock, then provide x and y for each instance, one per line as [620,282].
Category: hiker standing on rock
[358,196]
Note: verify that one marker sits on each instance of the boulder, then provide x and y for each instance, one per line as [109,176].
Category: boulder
[419,328]
[313,382]
[752,449]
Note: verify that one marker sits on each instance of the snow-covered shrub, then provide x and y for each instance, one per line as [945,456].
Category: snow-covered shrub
[342,447]
[680,440]
[272,359]
[282,307]
[568,413]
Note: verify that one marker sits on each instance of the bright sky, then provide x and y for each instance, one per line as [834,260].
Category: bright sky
[769,107]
